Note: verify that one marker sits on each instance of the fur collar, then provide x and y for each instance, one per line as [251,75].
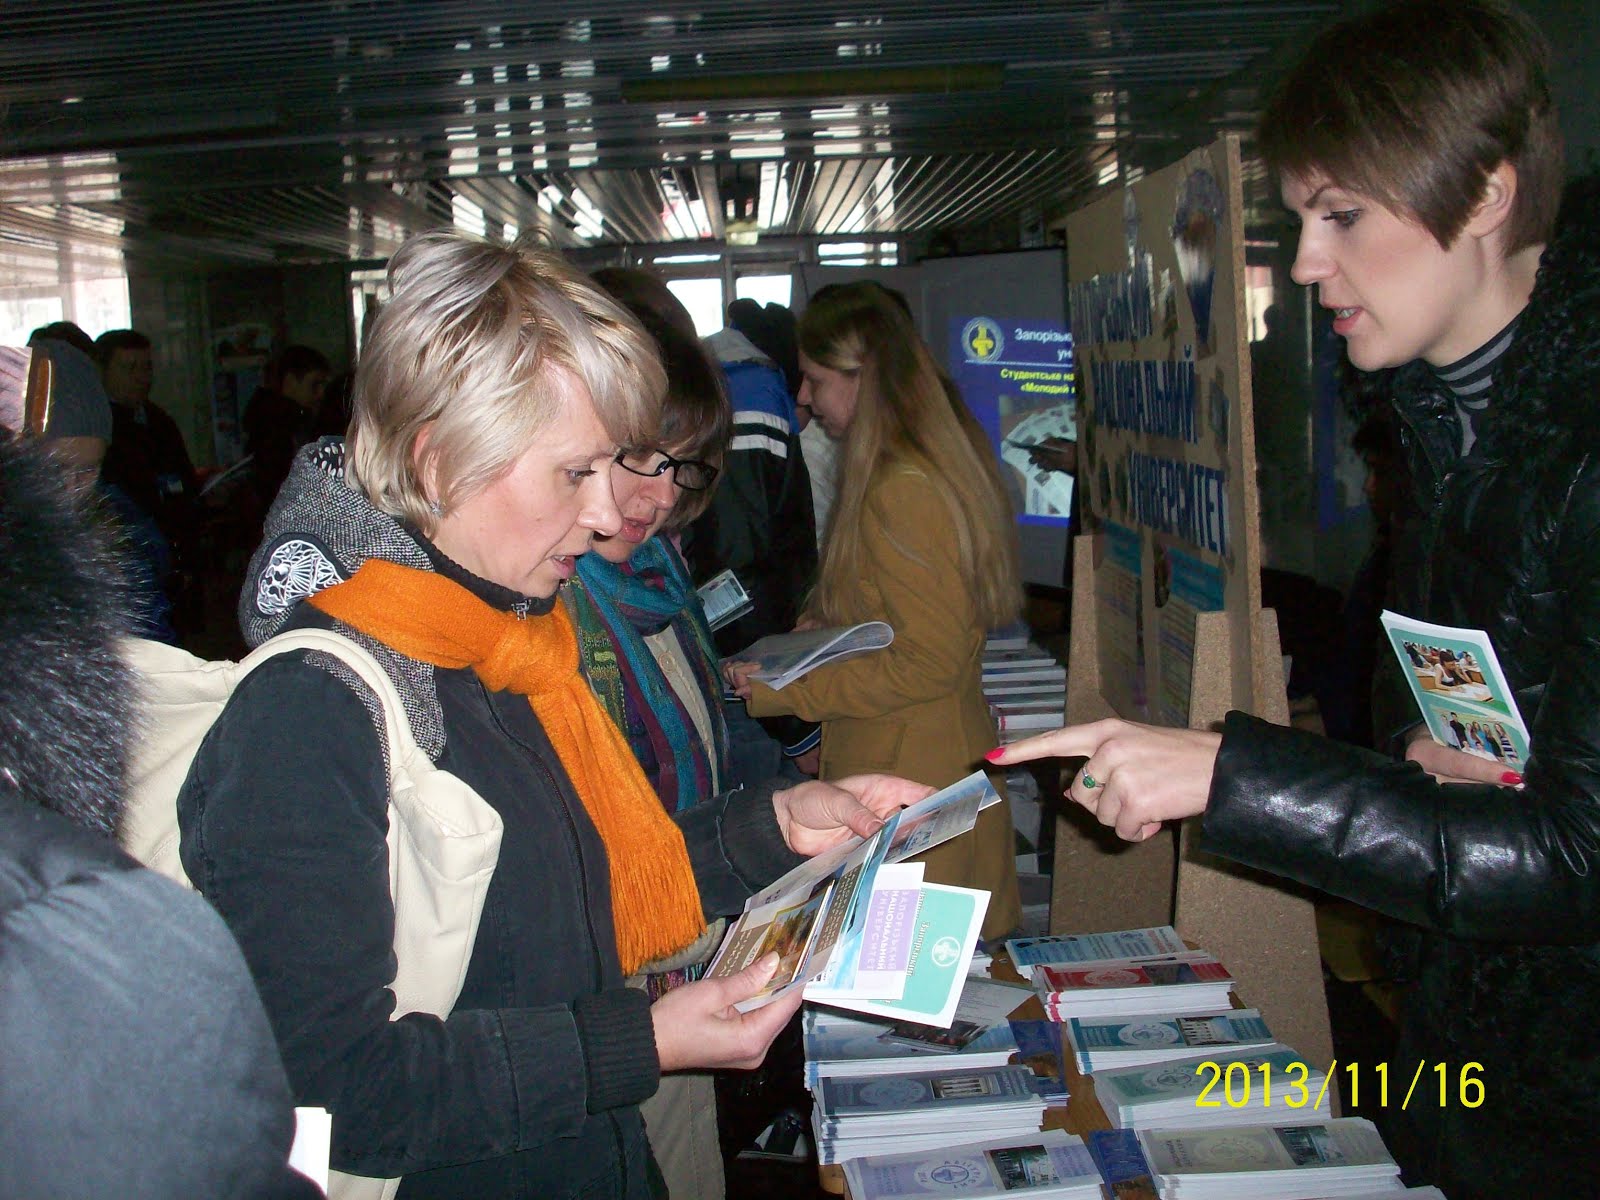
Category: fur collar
[65,695]
[1547,383]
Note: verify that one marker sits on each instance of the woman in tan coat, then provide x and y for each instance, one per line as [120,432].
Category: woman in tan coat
[920,537]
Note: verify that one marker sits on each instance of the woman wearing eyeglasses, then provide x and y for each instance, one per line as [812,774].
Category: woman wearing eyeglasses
[647,652]
[643,641]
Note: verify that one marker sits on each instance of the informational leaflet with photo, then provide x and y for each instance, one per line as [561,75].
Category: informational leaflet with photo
[724,599]
[1460,689]
[943,933]
[781,658]
[858,925]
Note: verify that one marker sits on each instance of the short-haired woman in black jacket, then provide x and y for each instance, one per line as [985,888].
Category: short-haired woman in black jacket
[1418,145]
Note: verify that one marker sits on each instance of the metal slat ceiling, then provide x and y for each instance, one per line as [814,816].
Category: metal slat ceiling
[244,131]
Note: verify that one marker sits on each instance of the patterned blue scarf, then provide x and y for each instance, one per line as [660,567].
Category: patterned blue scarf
[615,608]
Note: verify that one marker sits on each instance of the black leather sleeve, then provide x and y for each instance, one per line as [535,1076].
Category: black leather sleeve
[1472,861]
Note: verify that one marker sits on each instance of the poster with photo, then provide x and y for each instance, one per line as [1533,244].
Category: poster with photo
[1016,376]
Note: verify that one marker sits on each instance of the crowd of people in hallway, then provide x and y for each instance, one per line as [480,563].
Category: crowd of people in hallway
[533,481]
[509,510]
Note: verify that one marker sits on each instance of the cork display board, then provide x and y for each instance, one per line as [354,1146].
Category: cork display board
[1167,625]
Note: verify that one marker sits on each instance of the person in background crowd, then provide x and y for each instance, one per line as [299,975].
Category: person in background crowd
[1420,147]
[333,413]
[78,427]
[77,433]
[759,523]
[772,330]
[147,457]
[282,416]
[921,538]
[149,464]
[135,1058]
[494,393]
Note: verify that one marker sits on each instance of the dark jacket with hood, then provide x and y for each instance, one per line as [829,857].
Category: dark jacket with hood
[530,1087]
[135,1059]
[760,523]
[1501,887]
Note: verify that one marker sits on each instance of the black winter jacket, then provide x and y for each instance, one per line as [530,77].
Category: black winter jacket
[1501,886]
[530,1087]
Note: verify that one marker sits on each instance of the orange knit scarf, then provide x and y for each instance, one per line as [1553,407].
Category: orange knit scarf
[654,900]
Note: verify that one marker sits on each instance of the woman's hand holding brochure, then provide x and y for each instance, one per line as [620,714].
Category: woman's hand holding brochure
[1454,766]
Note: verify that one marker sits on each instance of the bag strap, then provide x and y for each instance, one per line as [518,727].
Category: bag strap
[401,741]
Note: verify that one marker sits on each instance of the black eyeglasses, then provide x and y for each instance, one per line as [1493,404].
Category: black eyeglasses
[687,473]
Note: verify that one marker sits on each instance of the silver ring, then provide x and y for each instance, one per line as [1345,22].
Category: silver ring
[1089,781]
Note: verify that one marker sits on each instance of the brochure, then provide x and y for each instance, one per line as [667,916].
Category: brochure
[1460,689]
[724,599]
[837,1044]
[1081,949]
[781,658]
[857,926]
[1051,1163]
[941,941]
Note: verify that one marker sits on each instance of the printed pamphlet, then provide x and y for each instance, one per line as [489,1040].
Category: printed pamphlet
[781,658]
[724,599]
[1083,949]
[1460,689]
[1049,1163]
[858,928]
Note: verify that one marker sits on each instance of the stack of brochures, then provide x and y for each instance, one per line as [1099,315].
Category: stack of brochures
[1113,1042]
[841,1047]
[980,1035]
[781,658]
[1049,1164]
[858,928]
[1202,1090]
[923,1110]
[1030,663]
[1092,949]
[1288,1161]
[1025,686]
[1125,973]
[1008,637]
[1133,987]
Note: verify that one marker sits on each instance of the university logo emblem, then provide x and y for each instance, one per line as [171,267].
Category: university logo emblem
[982,340]
[946,951]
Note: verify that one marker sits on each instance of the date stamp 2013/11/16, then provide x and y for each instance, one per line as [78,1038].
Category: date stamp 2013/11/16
[1241,1085]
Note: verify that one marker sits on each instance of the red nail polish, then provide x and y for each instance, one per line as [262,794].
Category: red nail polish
[994,755]
[1512,778]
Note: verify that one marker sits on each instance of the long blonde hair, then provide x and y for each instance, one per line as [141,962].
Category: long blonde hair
[908,416]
